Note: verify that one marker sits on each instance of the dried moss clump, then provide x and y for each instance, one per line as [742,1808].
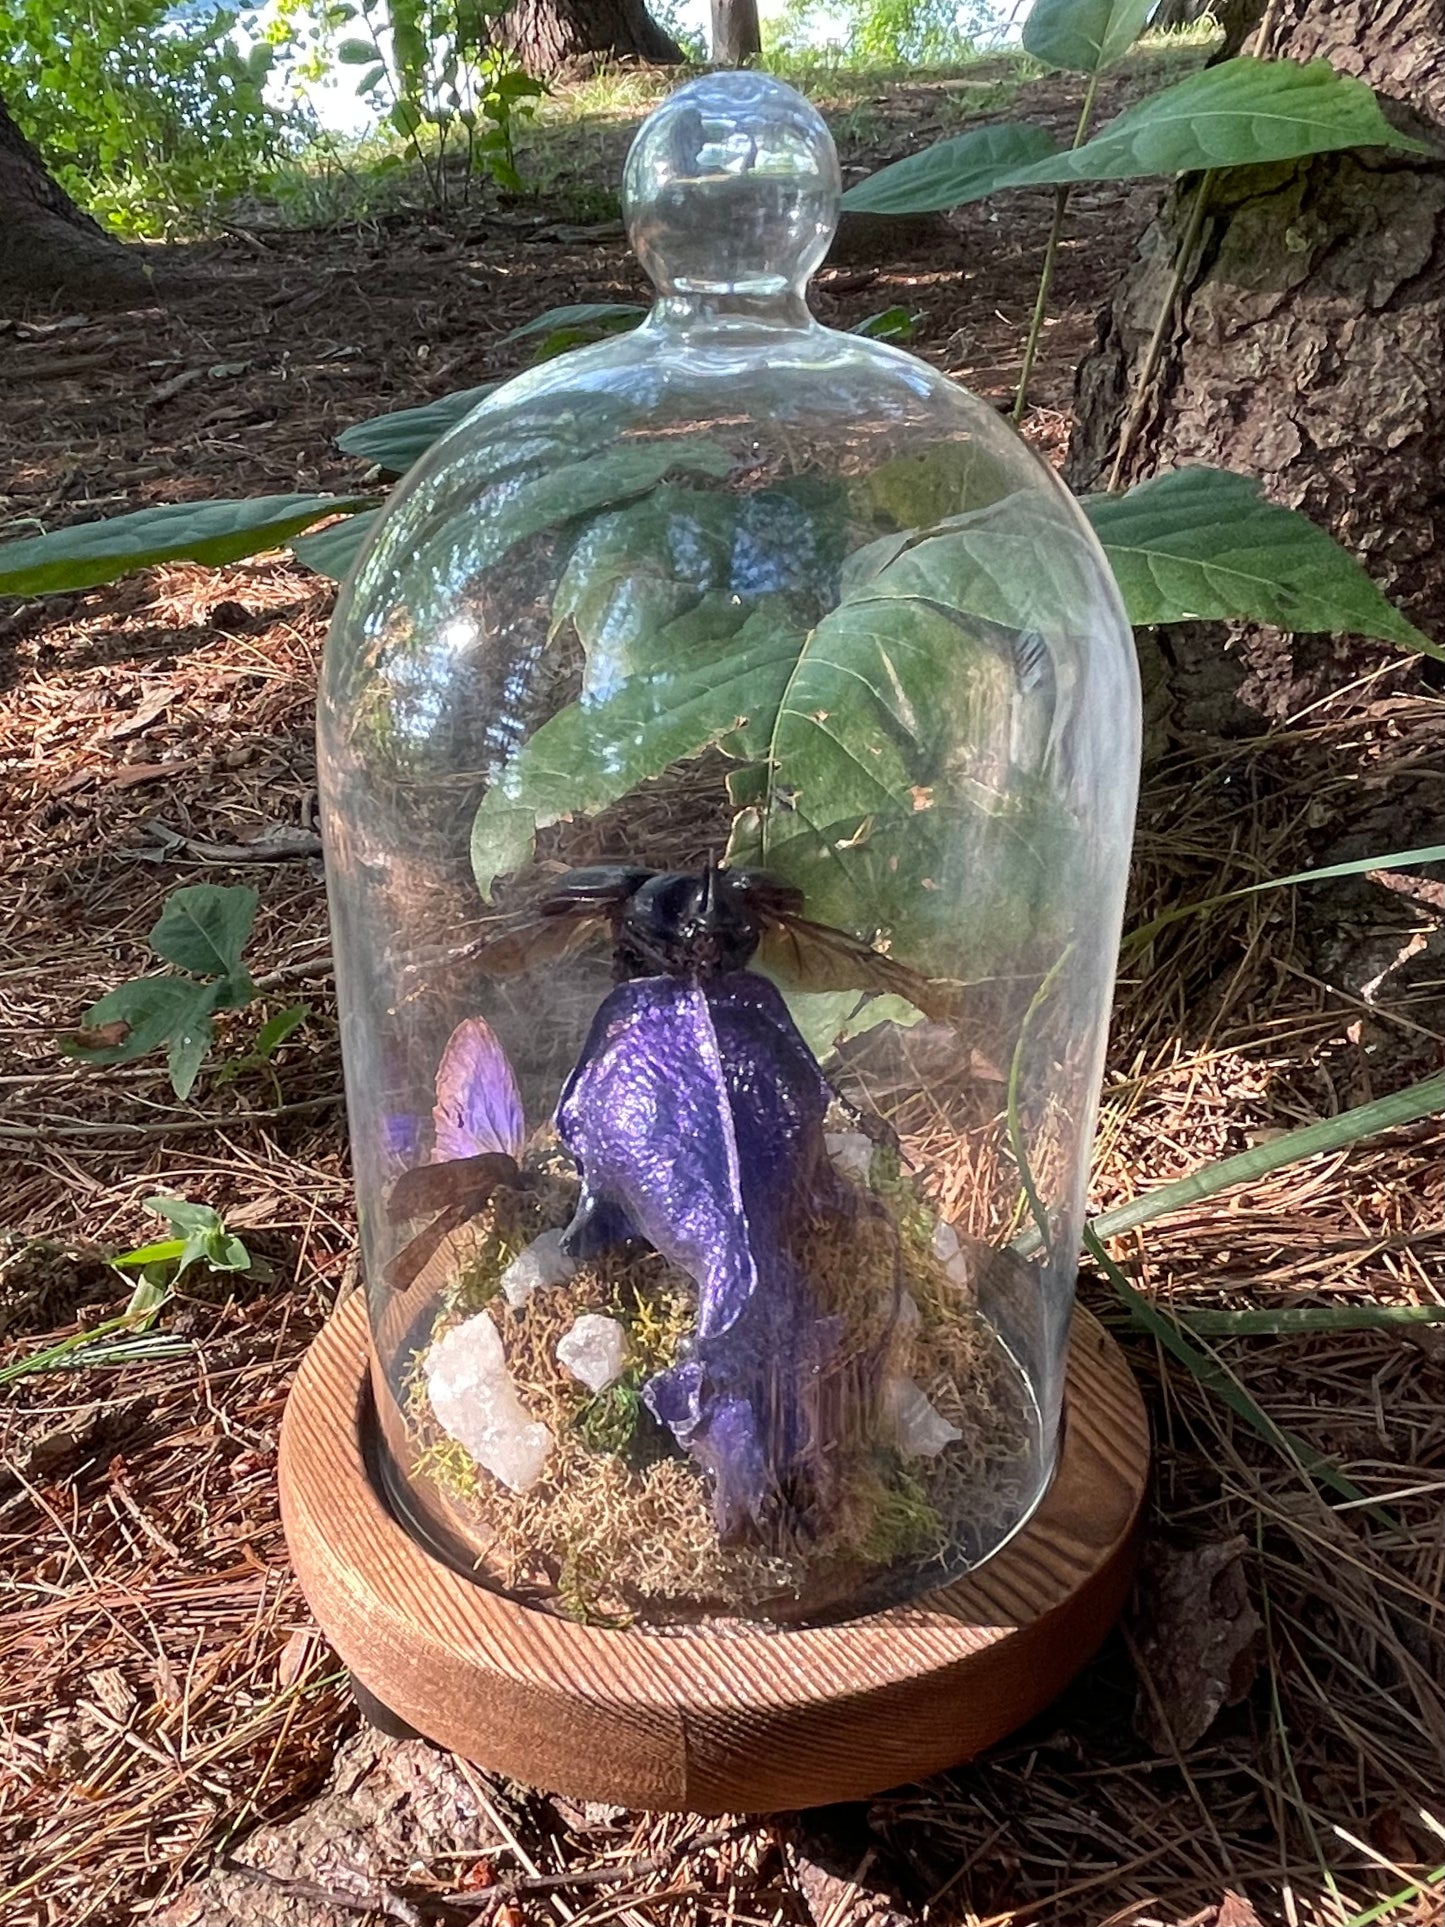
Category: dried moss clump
[620,1524]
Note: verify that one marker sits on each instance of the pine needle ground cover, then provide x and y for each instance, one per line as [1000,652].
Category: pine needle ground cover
[1262,1737]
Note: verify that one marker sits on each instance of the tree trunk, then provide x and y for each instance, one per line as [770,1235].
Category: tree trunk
[550,36]
[48,248]
[736,35]
[1304,349]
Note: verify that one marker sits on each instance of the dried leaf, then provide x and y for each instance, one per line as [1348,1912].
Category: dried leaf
[1197,1637]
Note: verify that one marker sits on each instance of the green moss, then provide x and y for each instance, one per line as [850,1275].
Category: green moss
[901,1523]
[608,1421]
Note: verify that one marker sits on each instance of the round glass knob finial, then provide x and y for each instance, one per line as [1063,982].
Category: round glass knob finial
[732,188]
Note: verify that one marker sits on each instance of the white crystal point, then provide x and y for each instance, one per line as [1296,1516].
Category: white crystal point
[950,1253]
[909,1317]
[476,1403]
[595,1350]
[920,1428]
[543,1262]
[851,1154]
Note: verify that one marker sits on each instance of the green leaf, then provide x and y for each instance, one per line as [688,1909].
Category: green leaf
[154,1008]
[356,53]
[203,928]
[637,568]
[395,441]
[889,324]
[1204,544]
[164,1253]
[951,172]
[145,1302]
[688,693]
[187,1218]
[274,1032]
[1084,36]
[1238,114]
[188,1052]
[570,490]
[332,551]
[212,532]
[605,317]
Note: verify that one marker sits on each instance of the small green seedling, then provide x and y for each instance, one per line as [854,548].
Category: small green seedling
[202,1240]
[202,930]
[130,1337]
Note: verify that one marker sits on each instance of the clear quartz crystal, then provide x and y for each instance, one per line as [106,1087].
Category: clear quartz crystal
[476,1403]
[594,1350]
[543,1262]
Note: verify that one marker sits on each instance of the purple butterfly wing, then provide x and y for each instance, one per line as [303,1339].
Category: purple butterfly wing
[478,1106]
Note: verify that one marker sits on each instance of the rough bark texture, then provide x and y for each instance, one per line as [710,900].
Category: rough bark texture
[1306,350]
[48,248]
[736,34]
[552,37]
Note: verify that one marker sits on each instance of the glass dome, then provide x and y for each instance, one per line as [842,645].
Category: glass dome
[729,742]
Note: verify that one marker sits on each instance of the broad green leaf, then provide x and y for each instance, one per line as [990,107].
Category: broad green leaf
[332,551]
[689,693]
[396,440]
[639,568]
[1240,113]
[608,317]
[185,1216]
[1084,36]
[951,172]
[356,53]
[274,1032]
[1204,544]
[520,509]
[212,532]
[188,1052]
[154,1008]
[203,928]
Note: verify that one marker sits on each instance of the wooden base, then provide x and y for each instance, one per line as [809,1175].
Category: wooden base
[730,1718]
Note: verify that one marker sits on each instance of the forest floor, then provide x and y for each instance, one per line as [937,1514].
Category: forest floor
[1258,1743]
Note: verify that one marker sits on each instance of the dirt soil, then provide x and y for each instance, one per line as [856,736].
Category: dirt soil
[1260,1741]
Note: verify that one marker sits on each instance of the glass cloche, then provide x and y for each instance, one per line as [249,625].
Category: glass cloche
[729,741]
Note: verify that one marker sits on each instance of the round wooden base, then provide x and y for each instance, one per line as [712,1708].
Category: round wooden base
[733,1717]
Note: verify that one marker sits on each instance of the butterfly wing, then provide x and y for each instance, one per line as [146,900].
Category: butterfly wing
[478,1108]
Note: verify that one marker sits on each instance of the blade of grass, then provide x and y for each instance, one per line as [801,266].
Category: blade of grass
[1212,1377]
[1311,1140]
[1382,1908]
[1307,1318]
[1362,866]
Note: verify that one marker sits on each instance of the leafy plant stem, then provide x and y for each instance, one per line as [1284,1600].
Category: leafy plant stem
[1046,273]
[1139,400]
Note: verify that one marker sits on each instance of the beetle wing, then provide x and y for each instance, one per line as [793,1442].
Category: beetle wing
[814,956]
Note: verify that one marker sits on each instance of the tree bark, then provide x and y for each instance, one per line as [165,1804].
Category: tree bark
[1304,349]
[736,35]
[48,248]
[551,36]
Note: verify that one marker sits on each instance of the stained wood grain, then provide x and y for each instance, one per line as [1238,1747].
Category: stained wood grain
[734,1717]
